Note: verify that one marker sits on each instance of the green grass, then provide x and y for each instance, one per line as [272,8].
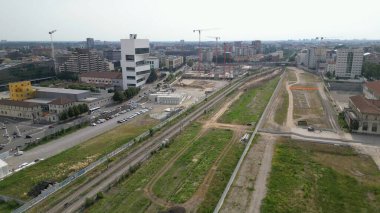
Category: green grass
[249,107]
[67,162]
[342,122]
[180,182]
[321,178]
[128,195]
[6,207]
[221,178]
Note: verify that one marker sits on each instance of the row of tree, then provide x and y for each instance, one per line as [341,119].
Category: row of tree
[371,70]
[73,111]
[129,93]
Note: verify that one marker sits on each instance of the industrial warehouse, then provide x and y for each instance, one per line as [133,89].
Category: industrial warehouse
[44,104]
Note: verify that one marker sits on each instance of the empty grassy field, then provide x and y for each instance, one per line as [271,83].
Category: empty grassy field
[67,162]
[308,77]
[180,182]
[6,207]
[291,75]
[221,178]
[249,107]
[308,177]
[128,195]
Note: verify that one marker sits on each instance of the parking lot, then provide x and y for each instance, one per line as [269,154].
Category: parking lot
[14,132]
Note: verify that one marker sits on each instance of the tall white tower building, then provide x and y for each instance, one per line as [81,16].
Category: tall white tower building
[349,62]
[134,53]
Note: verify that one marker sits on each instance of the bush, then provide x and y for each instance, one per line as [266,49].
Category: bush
[72,111]
[118,96]
[89,202]
[99,196]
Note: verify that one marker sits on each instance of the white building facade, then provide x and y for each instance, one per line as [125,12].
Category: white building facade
[134,53]
[349,62]
[154,62]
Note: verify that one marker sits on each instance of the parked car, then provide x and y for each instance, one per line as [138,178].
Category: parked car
[310,129]
[28,136]
[18,153]
[93,124]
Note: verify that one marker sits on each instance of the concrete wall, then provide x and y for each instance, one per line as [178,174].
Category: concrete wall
[345,86]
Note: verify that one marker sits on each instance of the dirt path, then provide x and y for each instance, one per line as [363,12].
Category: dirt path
[289,120]
[238,130]
[261,181]
[241,193]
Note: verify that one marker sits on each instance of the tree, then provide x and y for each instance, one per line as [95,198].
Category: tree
[71,112]
[85,108]
[328,75]
[131,92]
[76,110]
[371,70]
[152,77]
[118,96]
[64,115]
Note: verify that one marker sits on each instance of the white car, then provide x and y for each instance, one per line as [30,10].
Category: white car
[93,124]
[23,165]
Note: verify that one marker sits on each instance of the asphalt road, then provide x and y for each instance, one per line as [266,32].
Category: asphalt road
[61,144]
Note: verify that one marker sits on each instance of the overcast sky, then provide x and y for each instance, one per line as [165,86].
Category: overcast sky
[172,20]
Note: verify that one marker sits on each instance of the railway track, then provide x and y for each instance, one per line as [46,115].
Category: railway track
[75,201]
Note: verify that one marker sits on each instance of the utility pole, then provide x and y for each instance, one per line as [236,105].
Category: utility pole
[52,49]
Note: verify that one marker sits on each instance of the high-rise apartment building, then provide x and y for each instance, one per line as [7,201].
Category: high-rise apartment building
[82,60]
[257,45]
[90,44]
[134,53]
[349,62]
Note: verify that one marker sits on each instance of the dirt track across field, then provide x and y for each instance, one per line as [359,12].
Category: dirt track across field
[192,204]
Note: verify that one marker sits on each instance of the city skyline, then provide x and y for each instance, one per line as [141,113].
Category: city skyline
[169,21]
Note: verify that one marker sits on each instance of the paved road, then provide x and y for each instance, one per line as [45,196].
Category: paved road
[59,145]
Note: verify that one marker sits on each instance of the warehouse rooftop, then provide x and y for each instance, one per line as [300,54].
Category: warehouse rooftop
[60,90]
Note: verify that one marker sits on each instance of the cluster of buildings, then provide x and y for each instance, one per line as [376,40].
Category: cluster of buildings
[363,113]
[44,104]
[342,62]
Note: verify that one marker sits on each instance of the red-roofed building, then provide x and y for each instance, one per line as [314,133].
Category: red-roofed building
[58,105]
[363,115]
[114,79]
[371,90]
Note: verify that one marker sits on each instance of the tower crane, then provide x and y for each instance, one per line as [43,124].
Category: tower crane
[52,49]
[217,38]
[199,44]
